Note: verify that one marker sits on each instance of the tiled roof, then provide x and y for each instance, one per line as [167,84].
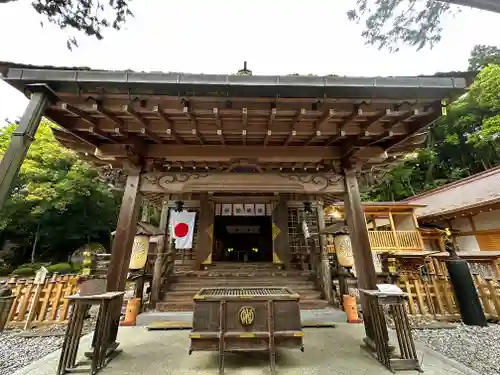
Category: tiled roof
[471,192]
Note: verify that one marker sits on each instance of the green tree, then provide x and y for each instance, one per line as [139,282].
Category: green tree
[464,142]
[390,23]
[86,16]
[57,203]
[481,56]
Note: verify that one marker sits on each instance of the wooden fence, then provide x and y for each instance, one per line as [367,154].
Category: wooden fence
[36,304]
[431,295]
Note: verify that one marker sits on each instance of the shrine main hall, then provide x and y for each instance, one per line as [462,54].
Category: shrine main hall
[251,155]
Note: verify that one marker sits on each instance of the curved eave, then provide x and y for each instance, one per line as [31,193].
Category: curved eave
[182,84]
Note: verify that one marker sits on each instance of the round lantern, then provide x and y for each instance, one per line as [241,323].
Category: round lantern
[139,252]
[343,249]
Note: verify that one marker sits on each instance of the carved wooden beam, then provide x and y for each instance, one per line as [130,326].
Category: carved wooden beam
[77,112]
[103,112]
[128,109]
[244,122]
[226,153]
[97,132]
[193,121]
[170,125]
[270,121]
[218,121]
[323,120]
[296,120]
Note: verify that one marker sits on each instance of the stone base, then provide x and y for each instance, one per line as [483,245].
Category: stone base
[369,344]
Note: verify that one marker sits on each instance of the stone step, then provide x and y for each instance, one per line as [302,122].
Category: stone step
[242,273]
[293,284]
[243,265]
[188,295]
[179,290]
[243,277]
[188,305]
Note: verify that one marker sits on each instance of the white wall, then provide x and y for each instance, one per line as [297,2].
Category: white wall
[464,243]
[467,243]
[487,220]
[404,222]
[482,221]
[462,224]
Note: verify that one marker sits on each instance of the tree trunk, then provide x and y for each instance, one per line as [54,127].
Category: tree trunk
[33,249]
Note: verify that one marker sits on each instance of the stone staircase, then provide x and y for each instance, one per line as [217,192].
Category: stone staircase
[179,296]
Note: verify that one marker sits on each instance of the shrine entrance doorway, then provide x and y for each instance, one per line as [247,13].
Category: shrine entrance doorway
[243,239]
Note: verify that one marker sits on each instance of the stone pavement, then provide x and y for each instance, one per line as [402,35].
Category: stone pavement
[308,317]
[328,351]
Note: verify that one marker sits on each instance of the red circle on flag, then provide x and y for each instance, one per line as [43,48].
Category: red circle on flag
[181,230]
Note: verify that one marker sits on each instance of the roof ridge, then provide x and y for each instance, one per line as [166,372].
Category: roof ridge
[462,181]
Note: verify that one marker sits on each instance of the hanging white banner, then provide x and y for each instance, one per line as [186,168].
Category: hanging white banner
[249,209]
[182,228]
[227,209]
[238,209]
[260,209]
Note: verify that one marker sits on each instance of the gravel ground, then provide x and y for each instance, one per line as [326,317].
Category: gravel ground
[17,351]
[475,347]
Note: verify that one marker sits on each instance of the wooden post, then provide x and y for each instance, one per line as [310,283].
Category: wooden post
[145,215]
[280,218]
[393,229]
[325,271]
[363,260]
[420,239]
[205,232]
[164,216]
[20,142]
[157,271]
[161,247]
[124,239]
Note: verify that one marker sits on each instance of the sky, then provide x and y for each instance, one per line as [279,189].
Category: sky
[216,36]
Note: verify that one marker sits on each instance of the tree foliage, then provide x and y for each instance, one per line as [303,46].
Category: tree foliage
[465,142]
[388,23]
[57,196]
[481,56]
[90,17]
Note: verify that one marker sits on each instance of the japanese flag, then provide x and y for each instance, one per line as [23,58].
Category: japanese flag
[182,228]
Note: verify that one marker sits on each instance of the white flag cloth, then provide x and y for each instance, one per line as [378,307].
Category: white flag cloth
[227,209]
[249,209]
[182,228]
[260,209]
[238,209]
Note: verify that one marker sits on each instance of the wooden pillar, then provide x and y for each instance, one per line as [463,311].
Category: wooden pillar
[164,217]
[363,260]
[204,244]
[121,249]
[393,229]
[324,266]
[20,142]
[280,219]
[146,213]
[161,248]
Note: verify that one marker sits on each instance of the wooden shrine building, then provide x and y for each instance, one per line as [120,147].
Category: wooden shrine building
[279,146]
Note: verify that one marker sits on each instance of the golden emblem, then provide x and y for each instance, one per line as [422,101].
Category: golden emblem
[246,315]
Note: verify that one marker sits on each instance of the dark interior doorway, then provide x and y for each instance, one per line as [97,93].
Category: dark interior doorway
[243,239]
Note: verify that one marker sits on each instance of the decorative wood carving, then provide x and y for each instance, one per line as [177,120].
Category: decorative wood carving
[163,181]
[323,181]
[157,182]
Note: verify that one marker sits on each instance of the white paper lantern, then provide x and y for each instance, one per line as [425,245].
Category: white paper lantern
[343,249]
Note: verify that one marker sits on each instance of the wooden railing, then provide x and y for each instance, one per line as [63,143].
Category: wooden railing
[402,240]
[45,303]
[408,240]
